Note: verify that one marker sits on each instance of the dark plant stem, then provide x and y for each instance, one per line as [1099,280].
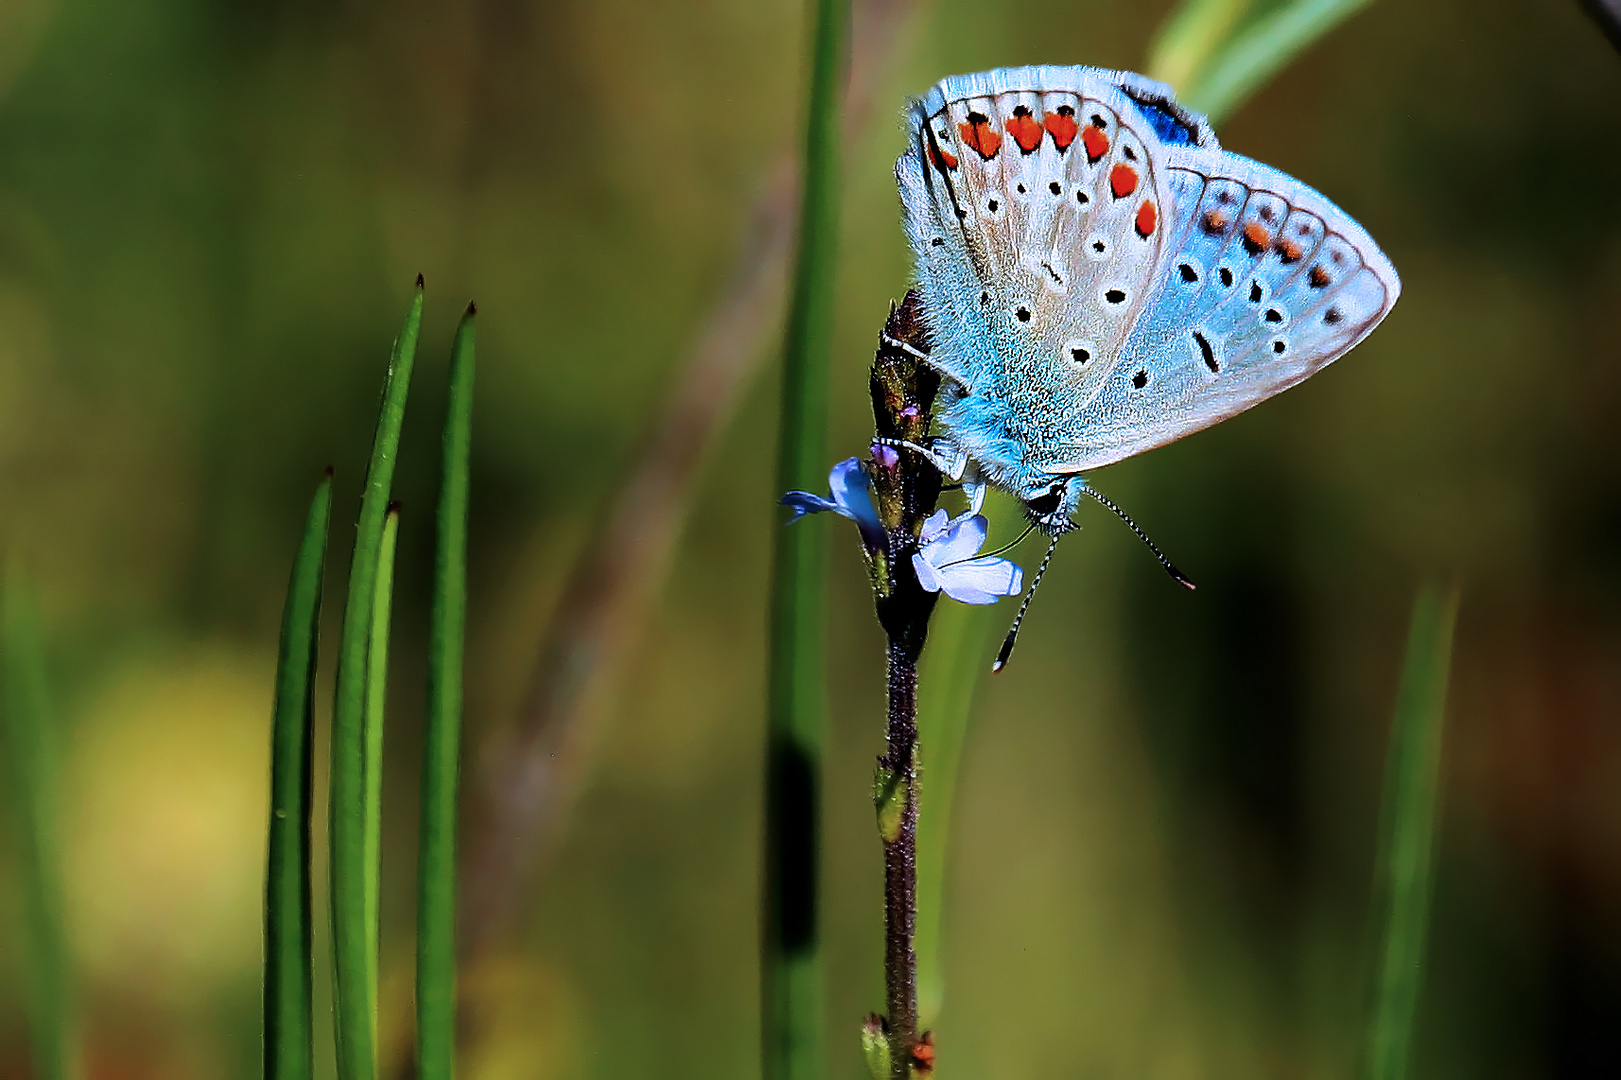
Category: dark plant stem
[905,489]
[900,861]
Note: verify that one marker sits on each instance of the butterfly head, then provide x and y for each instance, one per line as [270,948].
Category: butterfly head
[1051,501]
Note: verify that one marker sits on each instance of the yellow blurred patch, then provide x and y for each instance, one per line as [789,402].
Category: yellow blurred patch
[167,788]
[522,1022]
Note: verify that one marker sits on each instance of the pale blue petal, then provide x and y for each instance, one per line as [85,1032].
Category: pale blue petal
[982,581]
[961,541]
[926,576]
[933,526]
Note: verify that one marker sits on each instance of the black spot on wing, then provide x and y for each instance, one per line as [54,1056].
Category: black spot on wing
[1206,351]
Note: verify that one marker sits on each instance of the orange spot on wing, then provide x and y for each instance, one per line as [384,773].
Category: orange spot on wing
[943,158]
[978,135]
[1318,277]
[1024,129]
[1122,180]
[1096,143]
[1256,238]
[1147,218]
[1215,222]
[1062,126]
[1287,249]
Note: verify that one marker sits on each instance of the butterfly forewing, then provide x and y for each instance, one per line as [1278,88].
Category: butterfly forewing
[1039,234]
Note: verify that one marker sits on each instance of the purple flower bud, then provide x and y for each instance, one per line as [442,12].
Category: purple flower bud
[848,496]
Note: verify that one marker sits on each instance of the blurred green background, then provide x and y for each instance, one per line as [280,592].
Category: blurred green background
[210,218]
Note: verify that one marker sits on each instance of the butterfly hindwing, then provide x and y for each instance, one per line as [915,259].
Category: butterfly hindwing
[1265,282]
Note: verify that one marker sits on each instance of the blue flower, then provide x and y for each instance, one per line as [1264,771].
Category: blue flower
[850,496]
[946,561]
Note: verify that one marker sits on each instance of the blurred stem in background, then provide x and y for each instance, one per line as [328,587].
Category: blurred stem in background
[791,981]
[532,777]
[1402,874]
[1218,52]
[353,935]
[441,739]
[382,606]
[1607,15]
[30,754]
[1214,53]
[961,642]
[288,1040]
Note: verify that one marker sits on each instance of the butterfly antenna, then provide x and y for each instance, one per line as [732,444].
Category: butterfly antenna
[989,554]
[1170,568]
[1013,632]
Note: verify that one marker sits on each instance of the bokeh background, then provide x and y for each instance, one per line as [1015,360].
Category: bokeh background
[210,218]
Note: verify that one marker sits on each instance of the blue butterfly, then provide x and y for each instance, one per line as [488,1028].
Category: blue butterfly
[1100,277]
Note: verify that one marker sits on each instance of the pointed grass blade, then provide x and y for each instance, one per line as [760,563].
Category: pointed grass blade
[382,607]
[28,745]
[354,991]
[288,1049]
[791,983]
[1218,52]
[1407,834]
[441,744]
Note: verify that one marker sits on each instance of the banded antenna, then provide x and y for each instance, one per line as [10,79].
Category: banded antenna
[1013,631]
[1170,568]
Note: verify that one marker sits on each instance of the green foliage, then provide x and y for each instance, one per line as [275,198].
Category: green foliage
[441,743]
[29,750]
[875,1048]
[961,643]
[792,991]
[1218,52]
[1407,834]
[353,940]
[288,1046]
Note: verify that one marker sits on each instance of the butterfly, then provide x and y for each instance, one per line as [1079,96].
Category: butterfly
[1099,277]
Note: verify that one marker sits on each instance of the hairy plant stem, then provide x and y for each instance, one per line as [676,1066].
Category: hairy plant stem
[900,862]
[905,488]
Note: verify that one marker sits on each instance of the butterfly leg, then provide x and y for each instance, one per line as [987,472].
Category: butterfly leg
[932,363]
[952,465]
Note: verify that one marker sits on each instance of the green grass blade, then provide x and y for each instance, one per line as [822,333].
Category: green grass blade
[1407,834]
[288,1049]
[791,1006]
[382,607]
[1218,52]
[441,743]
[31,765]
[962,641]
[354,993]
[1190,37]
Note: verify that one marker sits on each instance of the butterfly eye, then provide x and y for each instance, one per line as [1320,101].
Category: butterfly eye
[1047,501]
